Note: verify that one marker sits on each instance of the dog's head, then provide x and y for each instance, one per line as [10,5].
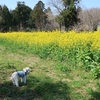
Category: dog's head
[26,70]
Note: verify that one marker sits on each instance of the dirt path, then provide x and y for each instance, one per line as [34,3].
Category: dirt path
[28,59]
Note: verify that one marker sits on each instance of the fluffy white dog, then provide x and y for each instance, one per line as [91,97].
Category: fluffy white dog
[21,74]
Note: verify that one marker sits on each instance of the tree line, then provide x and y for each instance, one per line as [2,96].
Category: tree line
[70,17]
[73,17]
[23,18]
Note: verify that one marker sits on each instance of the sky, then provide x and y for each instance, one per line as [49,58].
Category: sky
[85,4]
[11,4]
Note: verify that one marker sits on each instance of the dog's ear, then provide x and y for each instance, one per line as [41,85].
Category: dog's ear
[27,69]
[24,69]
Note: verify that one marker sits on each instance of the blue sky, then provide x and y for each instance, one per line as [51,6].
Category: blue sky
[87,4]
[11,4]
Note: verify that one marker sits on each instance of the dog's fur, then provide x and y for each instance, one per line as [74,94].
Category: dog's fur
[21,74]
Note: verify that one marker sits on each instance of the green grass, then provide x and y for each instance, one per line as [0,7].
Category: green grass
[48,79]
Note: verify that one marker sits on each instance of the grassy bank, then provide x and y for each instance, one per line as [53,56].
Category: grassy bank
[64,66]
[82,49]
[48,79]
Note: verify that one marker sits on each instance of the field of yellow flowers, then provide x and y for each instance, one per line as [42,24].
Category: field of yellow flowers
[82,48]
[66,41]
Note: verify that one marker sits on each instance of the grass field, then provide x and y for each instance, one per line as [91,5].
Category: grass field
[49,79]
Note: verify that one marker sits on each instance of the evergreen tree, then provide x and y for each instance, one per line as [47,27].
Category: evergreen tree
[22,15]
[69,15]
[1,18]
[39,16]
[5,19]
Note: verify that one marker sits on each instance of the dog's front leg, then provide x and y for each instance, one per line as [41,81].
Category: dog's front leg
[24,79]
[21,80]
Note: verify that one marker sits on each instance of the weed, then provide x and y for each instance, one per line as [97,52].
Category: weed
[61,71]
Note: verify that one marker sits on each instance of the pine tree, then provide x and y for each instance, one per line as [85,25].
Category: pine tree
[69,15]
[39,15]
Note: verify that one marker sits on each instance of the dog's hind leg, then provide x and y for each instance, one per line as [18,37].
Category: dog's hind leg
[13,82]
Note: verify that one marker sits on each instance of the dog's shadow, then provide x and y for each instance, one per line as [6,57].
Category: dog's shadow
[35,89]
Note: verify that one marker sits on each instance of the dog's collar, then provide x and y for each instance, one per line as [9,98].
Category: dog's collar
[21,73]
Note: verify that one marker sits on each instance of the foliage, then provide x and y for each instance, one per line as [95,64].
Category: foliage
[39,15]
[5,19]
[23,18]
[69,13]
[60,78]
[82,49]
[22,15]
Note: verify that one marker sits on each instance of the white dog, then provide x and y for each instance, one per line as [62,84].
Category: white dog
[21,74]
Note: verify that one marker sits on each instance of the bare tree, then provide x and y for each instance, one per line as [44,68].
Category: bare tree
[67,12]
[52,24]
[89,19]
[57,5]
